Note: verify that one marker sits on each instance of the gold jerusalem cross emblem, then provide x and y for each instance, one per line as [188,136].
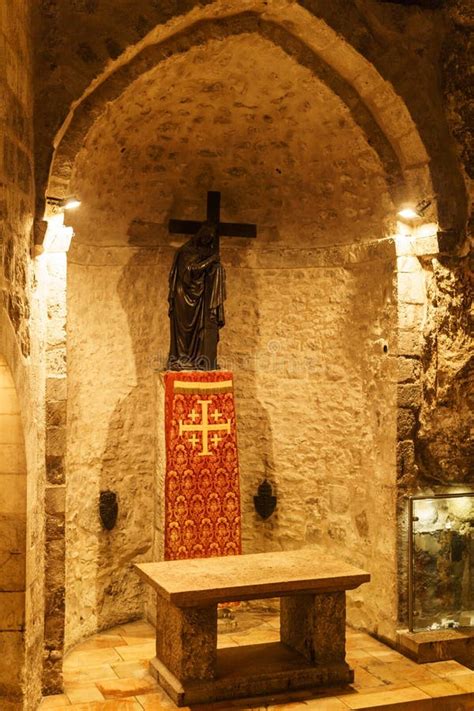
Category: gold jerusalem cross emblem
[208,430]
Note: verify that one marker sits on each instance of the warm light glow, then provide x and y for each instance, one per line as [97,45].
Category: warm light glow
[403,244]
[429,229]
[462,507]
[426,512]
[71,203]
[57,237]
[408,213]
[55,203]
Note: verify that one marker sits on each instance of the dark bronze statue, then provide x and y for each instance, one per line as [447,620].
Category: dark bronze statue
[197,288]
[196,303]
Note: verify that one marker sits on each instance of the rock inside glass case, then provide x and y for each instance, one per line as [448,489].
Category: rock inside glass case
[442,561]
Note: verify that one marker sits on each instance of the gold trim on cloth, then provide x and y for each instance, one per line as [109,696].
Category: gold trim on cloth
[191,387]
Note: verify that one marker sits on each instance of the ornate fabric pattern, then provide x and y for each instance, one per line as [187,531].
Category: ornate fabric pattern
[202,497]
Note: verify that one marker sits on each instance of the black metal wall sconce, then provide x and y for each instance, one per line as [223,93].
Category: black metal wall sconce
[108,509]
[265,502]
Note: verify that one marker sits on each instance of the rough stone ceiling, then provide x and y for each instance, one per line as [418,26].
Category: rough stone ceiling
[242,117]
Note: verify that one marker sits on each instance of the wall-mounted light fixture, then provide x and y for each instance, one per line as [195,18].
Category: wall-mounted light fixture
[68,203]
[410,212]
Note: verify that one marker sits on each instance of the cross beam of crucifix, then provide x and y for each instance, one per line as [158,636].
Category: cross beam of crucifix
[223,229]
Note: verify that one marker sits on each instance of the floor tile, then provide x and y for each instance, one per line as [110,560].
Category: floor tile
[359,654]
[114,664]
[365,680]
[158,702]
[394,672]
[86,673]
[121,688]
[443,668]
[76,660]
[116,630]
[138,639]
[52,702]
[114,705]
[140,628]
[363,701]
[256,637]
[136,652]
[388,655]
[223,642]
[295,706]
[321,704]
[326,705]
[82,693]
[440,688]
[101,641]
[464,681]
[125,670]
[274,622]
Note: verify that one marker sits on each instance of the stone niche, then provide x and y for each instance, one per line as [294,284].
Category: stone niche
[311,318]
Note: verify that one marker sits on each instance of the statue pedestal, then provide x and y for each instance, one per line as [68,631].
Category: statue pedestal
[200,517]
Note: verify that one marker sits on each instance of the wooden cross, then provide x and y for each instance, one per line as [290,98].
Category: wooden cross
[223,229]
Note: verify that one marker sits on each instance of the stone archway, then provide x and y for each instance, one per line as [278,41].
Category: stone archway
[12,539]
[372,101]
[279,150]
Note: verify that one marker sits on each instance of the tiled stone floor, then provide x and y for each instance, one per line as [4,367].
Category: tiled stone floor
[108,672]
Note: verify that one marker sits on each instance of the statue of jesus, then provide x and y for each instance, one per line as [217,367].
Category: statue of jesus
[196,302]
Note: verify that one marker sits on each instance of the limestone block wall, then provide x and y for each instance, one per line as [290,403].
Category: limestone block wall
[310,338]
[21,329]
[113,337]
[16,163]
[310,313]
[55,273]
[12,539]
[312,347]
[444,442]
[434,450]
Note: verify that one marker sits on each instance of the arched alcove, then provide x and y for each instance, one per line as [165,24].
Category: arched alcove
[307,38]
[311,306]
[12,539]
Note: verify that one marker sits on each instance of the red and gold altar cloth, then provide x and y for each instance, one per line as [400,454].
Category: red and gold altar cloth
[202,497]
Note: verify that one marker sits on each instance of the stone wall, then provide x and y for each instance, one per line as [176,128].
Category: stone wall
[315,392]
[21,328]
[445,451]
[55,274]
[16,165]
[13,539]
[112,333]
[311,315]
[457,49]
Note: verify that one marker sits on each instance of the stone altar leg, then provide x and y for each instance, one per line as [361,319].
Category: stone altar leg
[186,641]
[315,625]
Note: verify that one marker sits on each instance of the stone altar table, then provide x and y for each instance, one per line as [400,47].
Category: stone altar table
[311,652]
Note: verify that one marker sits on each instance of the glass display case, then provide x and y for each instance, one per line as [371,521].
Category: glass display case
[441,561]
